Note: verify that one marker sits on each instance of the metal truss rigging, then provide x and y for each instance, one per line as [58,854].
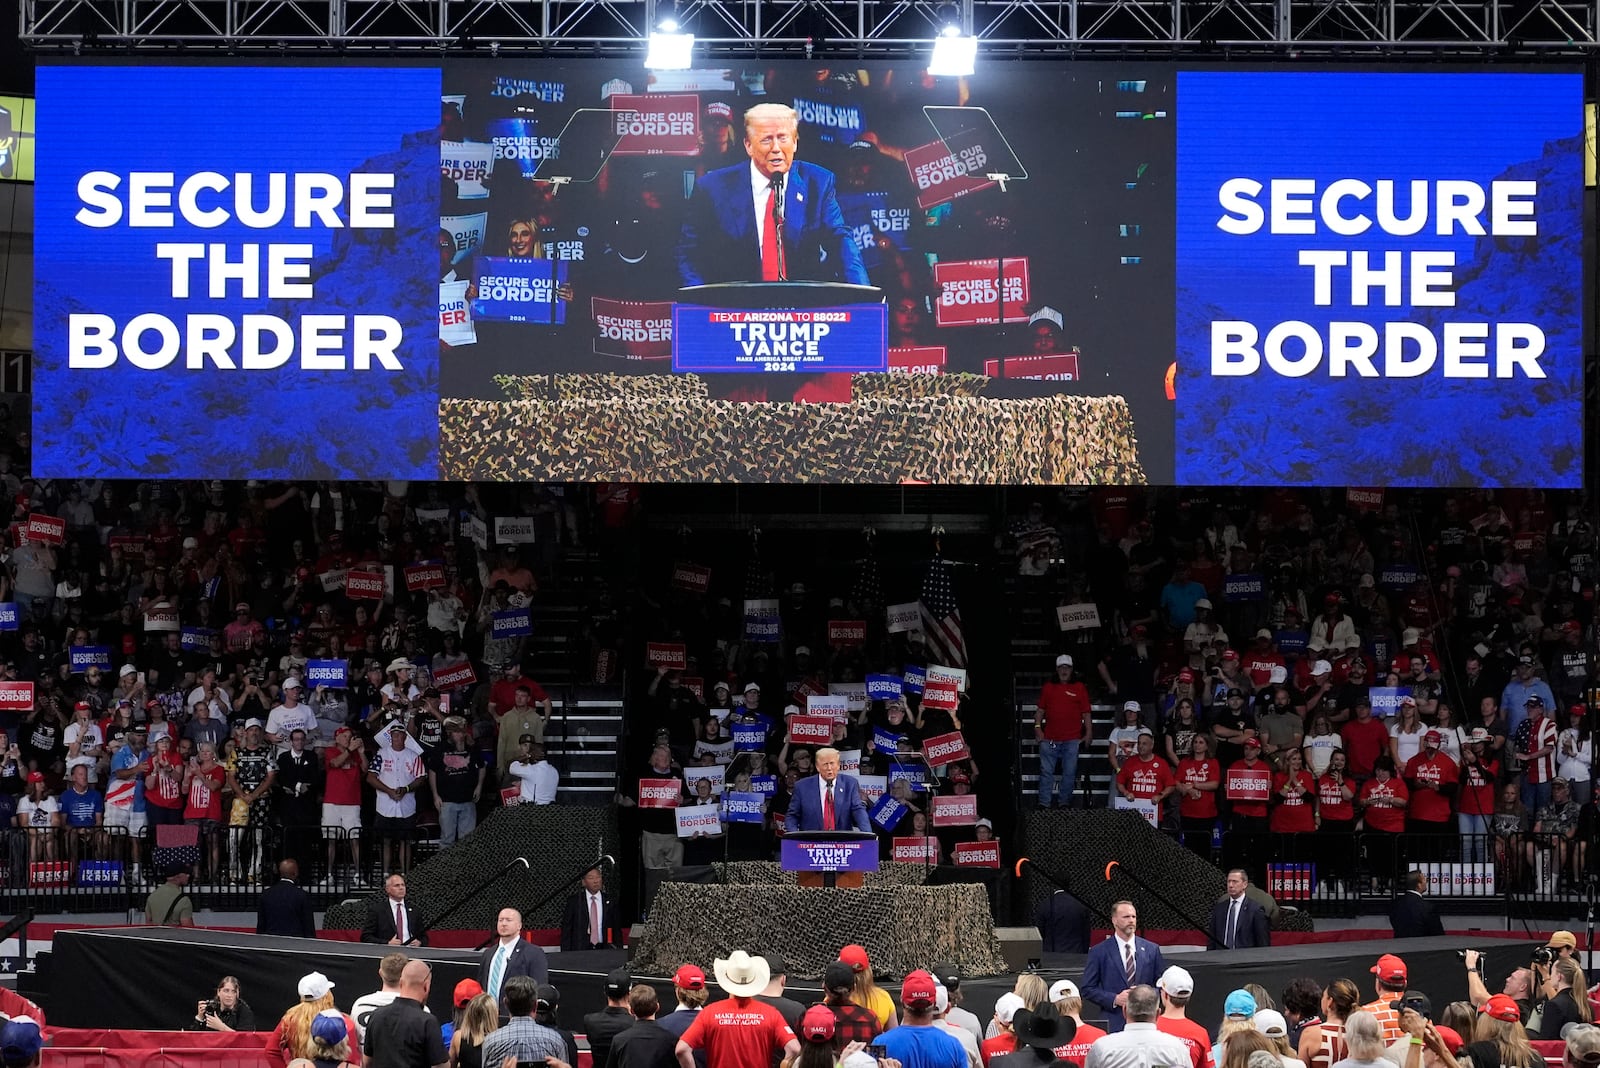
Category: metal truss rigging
[825,29]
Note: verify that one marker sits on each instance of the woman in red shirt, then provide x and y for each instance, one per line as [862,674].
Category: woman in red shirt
[1336,819]
[1198,776]
[1293,790]
[1479,774]
[163,786]
[1383,812]
[203,781]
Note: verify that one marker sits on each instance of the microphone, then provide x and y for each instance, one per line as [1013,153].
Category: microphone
[609,859]
[777,192]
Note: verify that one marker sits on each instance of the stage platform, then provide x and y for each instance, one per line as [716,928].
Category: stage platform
[141,977]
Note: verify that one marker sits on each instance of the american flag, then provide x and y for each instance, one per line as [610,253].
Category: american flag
[941,619]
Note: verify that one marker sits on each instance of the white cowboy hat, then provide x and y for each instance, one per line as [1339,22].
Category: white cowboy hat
[742,975]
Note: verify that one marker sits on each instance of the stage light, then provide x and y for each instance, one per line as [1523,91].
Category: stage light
[669,49]
[955,55]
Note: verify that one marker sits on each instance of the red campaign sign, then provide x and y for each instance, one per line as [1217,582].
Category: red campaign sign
[694,685]
[1062,367]
[1365,500]
[367,585]
[654,124]
[942,176]
[45,528]
[976,854]
[455,677]
[670,655]
[945,748]
[967,291]
[511,795]
[424,577]
[691,577]
[917,360]
[940,695]
[810,730]
[125,541]
[16,696]
[915,850]
[1248,784]
[660,793]
[842,632]
[955,810]
[1524,543]
[632,329]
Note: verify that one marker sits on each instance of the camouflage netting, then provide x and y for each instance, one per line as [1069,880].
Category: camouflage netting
[660,428]
[902,927]
[1075,846]
[759,872]
[558,840]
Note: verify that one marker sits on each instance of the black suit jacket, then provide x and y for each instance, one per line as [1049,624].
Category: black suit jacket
[1063,924]
[575,923]
[1252,931]
[1413,916]
[644,1045]
[526,959]
[286,910]
[379,927]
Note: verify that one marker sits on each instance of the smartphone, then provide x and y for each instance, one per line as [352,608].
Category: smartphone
[877,1051]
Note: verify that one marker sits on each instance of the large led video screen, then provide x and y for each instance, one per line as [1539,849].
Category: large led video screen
[1048,273]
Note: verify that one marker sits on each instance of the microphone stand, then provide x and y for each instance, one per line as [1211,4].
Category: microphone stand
[779,180]
[1062,885]
[1159,896]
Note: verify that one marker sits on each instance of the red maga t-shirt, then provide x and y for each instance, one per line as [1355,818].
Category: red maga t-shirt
[1382,817]
[1192,772]
[739,1033]
[1292,815]
[1439,770]
[1062,705]
[1190,1034]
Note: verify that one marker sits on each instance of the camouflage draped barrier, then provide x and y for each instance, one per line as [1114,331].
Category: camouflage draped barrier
[663,428]
[753,872]
[558,840]
[902,927]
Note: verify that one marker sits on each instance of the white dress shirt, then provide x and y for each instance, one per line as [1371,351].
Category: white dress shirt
[760,189]
[1138,1045]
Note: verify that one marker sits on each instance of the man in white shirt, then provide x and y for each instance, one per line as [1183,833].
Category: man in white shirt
[389,969]
[209,691]
[538,776]
[1140,1044]
[941,1020]
[285,717]
[396,774]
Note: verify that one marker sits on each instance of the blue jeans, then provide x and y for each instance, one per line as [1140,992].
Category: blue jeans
[1535,795]
[1474,840]
[457,819]
[1057,759]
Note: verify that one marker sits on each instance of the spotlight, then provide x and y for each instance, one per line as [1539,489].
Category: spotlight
[955,55]
[669,49]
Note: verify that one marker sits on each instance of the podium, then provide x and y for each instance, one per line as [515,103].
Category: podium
[830,858]
[780,328]
[796,293]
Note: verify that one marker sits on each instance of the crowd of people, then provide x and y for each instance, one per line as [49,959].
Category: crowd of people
[300,671]
[1418,670]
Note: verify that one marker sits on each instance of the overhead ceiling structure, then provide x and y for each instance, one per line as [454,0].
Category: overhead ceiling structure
[823,29]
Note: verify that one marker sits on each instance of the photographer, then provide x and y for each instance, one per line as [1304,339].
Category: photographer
[1566,1000]
[1518,986]
[225,1012]
[1563,945]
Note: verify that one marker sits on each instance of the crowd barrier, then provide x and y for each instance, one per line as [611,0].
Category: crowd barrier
[94,1048]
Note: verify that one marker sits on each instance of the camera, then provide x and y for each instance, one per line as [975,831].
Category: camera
[1545,956]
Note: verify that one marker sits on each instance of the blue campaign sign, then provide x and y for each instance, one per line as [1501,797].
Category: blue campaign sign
[851,855]
[83,657]
[512,623]
[852,338]
[1398,576]
[8,616]
[518,139]
[100,873]
[267,279]
[1244,588]
[761,620]
[1290,641]
[195,638]
[915,774]
[331,673]
[888,812]
[767,785]
[749,738]
[744,808]
[885,740]
[1386,699]
[915,679]
[870,214]
[1297,330]
[884,687]
[514,289]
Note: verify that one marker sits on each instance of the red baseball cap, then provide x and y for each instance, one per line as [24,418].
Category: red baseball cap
[466,990]
[817,1024]
[1501,1007]
[918,989]
[1186,675]
[1452,1041]
[689,977]
[1433,736]
[856,957]
[1390,969]
[1230,654]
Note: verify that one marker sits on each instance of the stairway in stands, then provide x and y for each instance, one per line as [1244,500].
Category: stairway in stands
[1035,640]
[584,738]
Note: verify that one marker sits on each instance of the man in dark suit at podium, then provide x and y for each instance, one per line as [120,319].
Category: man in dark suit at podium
[730,233]
[1119,964]
[827,801]
[590,918]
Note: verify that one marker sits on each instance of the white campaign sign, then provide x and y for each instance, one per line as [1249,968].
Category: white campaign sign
[1077,616]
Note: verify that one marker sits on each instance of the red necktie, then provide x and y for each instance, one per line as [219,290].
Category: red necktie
[827,807]
[400,921]
[769,239]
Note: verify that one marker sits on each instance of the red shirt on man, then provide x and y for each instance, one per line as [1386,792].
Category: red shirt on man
[1063,706]
[1145,779]
[1437,770]
[1190,1034]
[739,1033]
[1252,771]
[342,786]
[1364,742]
[1478,787]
